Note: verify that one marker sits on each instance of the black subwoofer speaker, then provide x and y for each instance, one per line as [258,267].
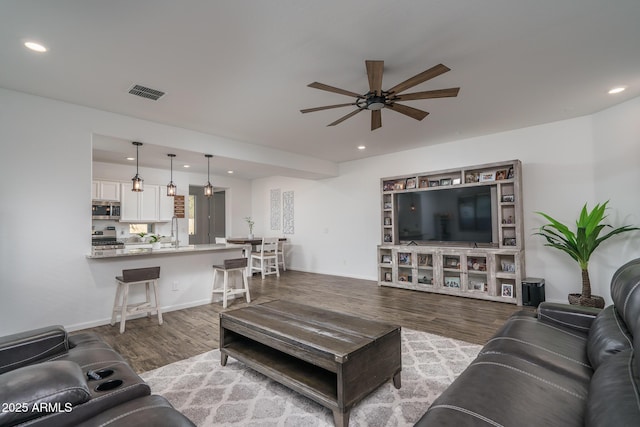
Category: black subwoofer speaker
[532,291]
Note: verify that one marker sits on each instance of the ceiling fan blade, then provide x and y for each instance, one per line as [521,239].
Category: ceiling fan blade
[328,88]
[429,94]
[419,78]
[376,119]
[343,118]
[414,113]
[374,73]
[326,107]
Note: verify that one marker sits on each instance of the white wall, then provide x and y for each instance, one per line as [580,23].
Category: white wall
[45,171]
[565,164]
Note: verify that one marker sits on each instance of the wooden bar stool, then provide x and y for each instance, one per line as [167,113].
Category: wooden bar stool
[235,265]
[148,276]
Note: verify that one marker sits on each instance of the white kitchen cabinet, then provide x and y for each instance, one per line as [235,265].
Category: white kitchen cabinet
[166,205]
[105,190]
[141,206]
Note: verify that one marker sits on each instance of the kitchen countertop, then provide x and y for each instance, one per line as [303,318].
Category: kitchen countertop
[115,253]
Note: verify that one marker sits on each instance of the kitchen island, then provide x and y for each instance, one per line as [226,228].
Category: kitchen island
[186,274]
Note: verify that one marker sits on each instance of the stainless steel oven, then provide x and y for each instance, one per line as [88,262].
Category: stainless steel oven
[101,209]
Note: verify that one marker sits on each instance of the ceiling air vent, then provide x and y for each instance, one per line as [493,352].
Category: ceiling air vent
[146,92]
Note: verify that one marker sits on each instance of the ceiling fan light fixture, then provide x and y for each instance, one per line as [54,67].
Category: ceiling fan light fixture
[375,103]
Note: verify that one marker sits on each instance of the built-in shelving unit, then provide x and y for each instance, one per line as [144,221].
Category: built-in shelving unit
[489,270]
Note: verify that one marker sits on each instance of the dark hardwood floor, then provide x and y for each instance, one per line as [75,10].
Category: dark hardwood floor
[193,331]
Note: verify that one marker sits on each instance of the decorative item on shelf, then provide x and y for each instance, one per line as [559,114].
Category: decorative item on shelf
[398,185]
[137,181]
[387,276]
[580,244]
[387,205]
[424,183]
[507,290]
[456,181]
[508,220]
[452,282]
[424,260]
[387,238]
[404,258]
[445,181]
[250,223]
[434,183]
[388,186]
[425,280]
[475,285]
[208,188]
[508,198]
[471,177]
[403,277]
[501,174]
[487,176]
[508,266]
[411,183]
[509,241]
[171,187]
[510,174]
[387,220]
[386,259]
[451,262]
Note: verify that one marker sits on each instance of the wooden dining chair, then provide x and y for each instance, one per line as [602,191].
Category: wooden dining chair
[281,255]
[265,260]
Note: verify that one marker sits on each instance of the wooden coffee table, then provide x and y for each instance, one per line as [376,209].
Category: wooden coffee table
[332,358]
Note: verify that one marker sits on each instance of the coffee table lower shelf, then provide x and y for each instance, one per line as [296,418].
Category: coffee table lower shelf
[318,384]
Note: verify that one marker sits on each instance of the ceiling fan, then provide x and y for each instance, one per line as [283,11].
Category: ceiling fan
[377,99]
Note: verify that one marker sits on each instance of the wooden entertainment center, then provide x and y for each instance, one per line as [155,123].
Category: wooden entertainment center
[428,257]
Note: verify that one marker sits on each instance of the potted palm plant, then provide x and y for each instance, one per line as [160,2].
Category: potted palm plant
[580,244]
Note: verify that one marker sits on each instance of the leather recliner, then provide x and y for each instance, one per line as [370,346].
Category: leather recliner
[564,366]
[49,378]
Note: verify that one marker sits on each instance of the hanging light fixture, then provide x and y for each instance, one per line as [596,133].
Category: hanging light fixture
[138,182]
[208,189]
[171,187]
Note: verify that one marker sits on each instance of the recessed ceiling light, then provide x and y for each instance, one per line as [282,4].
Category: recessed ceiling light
[186,166]
[229,172]
[130,158]
[361,147]
[617,90]
[37,47]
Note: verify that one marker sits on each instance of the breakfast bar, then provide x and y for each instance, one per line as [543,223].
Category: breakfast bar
[186,273]
[135,252]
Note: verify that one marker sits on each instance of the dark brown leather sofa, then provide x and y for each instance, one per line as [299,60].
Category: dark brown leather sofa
[49,378]
[565,366]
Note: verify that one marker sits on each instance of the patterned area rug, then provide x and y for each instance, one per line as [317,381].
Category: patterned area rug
[212,395]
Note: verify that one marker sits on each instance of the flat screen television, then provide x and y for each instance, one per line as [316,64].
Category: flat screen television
[464,215]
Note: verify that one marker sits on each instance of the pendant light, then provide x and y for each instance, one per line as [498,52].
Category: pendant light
[138,182]
[171,187]
[208,189]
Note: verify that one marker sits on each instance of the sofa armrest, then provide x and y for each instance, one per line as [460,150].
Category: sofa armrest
[34,391]
[27,348]
[575,317]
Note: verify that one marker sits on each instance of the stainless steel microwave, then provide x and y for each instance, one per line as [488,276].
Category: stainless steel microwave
[101,209]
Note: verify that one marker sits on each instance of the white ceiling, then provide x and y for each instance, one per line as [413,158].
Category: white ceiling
[240,69]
